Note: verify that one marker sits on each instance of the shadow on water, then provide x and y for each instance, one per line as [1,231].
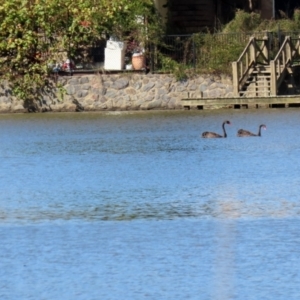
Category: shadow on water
[125,211]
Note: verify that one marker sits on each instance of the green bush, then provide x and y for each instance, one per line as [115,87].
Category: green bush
[243,22]
[215,55]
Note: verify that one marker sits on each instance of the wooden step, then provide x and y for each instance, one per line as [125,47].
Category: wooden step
[249,94]
[258,83]
[261,72]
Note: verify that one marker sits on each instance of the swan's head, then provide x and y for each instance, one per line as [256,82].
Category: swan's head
[263,126]
[227,122]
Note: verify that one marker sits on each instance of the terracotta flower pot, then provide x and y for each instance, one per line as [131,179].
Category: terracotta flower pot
[138,61]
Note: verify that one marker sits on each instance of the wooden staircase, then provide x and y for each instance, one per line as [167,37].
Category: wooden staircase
[258,83]
[255,74]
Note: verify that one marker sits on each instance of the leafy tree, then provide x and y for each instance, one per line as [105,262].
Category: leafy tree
[36,33]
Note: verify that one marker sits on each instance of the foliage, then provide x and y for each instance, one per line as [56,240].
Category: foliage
[133,46]
[252,22]
[35,34]
[169,65]
[243,22]
[202,53]
[216,52]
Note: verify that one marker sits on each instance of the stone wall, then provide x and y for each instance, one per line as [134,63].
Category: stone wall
[123,91]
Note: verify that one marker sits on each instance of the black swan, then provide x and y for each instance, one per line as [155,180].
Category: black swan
[243,132]
[208,134]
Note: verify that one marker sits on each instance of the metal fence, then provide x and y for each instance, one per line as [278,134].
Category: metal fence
[200,51]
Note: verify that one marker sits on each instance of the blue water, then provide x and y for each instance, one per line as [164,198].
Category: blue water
[138,206]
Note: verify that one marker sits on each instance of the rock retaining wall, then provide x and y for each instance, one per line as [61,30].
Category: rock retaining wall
[124,91]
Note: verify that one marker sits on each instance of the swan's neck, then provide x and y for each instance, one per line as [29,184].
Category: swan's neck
[259,131]
[224,131]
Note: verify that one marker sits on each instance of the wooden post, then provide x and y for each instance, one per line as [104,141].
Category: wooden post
[252,50]
[273,90]
[235,79]
[289,49]
[266,47]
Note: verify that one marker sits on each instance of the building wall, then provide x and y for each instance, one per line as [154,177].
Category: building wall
[267,9]
[190,16]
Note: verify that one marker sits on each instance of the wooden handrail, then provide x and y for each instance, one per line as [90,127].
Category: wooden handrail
[256,51]
[280,64]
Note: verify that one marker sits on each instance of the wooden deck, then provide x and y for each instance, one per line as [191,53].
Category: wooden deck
[240,103]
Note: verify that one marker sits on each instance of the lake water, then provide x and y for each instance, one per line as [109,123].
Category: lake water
[138,206]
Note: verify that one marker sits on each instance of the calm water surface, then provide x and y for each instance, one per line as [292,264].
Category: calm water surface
[139,206]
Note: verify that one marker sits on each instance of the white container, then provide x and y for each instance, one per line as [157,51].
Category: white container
[114,59]
[114,45]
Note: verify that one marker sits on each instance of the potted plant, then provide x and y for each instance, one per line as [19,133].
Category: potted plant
[136,52]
